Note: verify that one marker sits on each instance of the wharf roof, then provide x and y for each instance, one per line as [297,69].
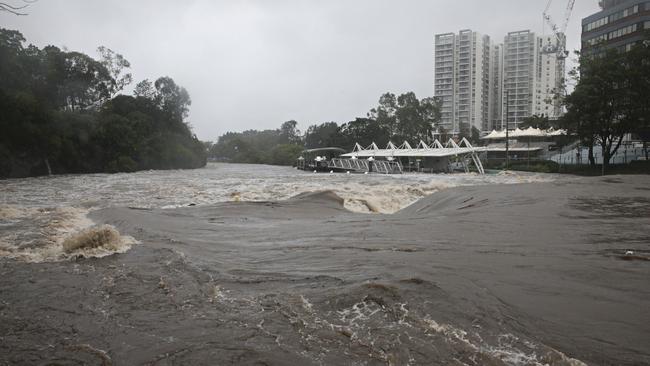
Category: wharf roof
[435,149]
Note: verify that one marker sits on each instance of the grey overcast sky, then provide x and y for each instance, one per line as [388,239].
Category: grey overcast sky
[253,64]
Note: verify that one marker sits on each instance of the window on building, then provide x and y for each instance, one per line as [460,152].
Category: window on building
[622,31]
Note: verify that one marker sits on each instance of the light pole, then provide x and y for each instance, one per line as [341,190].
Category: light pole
[507,135]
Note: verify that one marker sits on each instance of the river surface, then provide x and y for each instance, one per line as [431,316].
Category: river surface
[246,264]
[38,214]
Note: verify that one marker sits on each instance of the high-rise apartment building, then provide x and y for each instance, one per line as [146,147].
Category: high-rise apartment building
[473,77]
[550,76]
[462,79]
[619,25]
[444,77]
[496,89]
[534,69]
[519,65]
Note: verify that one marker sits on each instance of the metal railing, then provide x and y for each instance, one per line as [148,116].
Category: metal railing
[580,155]
[363,165]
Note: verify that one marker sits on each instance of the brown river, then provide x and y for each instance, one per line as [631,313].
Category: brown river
[260,265]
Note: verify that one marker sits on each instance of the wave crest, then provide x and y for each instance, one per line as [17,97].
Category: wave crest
[51,234]
[96,241]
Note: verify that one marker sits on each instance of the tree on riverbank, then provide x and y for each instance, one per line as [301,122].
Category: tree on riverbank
[401,118]
[276,147]
[406,117]
[60,113]
[610,99]
[396,118]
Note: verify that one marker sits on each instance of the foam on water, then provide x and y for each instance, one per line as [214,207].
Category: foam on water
[55,233]
[509,348]
[13,212]
[37,214]
[96,241]
[376,324]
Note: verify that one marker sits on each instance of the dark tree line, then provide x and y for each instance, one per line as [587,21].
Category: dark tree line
[61,112]
[396,118]
[276,147]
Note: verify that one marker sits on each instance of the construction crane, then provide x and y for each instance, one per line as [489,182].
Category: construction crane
[559,31]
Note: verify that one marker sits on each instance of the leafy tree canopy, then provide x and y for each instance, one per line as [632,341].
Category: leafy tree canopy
[610,99]
[396,118]
[59,114]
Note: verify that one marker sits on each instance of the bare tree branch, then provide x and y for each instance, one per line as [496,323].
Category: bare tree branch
[13,9]
[2,8]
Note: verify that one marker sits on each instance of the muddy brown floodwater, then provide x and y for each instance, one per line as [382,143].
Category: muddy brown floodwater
[556,271]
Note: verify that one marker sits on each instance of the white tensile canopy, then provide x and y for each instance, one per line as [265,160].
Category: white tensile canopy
[552,132]
[423,150]
[529,132]
[495,135]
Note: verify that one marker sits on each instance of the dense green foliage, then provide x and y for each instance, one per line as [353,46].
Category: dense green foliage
[402,118]
[277,147]
[59,113]
[611,99]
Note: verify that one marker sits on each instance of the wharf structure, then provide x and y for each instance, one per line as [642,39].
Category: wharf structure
[426,158]
[531,143]
[432,158]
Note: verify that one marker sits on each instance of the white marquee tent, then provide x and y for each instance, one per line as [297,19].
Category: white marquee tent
[529,132]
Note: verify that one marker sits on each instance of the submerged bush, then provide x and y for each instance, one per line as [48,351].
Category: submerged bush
[95,237]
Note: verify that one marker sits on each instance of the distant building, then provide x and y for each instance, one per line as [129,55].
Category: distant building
[533,73]
[519,65]
[472,76]
[462,79]
[444,78]
[496,90]
[551,70]
[619,25]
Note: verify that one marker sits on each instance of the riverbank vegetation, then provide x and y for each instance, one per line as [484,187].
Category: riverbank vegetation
[63,112]
[611,100]
[396,118]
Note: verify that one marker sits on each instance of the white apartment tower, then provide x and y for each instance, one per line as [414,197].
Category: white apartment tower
[550,76]
[444,78]
[473,78]
[519,66]
[462,79]
[496,89]
[533,73]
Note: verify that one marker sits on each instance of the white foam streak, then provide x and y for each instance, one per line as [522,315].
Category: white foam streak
[41,212]
[506,349]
